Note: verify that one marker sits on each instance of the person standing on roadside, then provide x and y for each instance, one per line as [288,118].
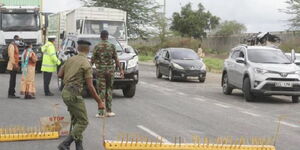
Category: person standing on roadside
[75,72]
[49,64]
[200,52]
[29,60]
[13,65]
[105,58]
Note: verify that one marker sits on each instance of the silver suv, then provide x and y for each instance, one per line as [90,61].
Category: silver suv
[258,70]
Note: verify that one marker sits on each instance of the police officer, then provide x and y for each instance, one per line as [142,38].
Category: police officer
[50,63]
[75,72]
[105,57]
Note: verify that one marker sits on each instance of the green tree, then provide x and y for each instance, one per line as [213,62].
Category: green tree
[228,28]
[139,14]
[194,23]
[293,9]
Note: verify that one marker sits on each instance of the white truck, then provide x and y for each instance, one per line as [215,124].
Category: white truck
[92,20]
[25,21]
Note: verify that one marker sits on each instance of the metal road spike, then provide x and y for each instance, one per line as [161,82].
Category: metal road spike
[199,140]
[161,141]
[175,141]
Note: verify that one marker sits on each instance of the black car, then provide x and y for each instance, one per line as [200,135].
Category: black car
[180,63]
[128,60]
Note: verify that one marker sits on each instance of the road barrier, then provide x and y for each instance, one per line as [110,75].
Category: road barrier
[26,134]
[141,143]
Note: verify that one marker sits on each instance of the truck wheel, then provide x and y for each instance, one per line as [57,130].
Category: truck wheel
[247,90]
[227,90]
[295,99]
[171,76]
[158,74]
[2,69]
[129,92]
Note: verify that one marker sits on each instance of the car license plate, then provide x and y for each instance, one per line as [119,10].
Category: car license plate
[117,75]
[192,78]
[283,84]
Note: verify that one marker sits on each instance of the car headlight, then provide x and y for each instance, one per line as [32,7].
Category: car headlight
[203,67]
[133,62]
[177,66]
[260,71]
[298,72]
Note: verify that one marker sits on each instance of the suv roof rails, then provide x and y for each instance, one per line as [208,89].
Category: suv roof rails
[244,45]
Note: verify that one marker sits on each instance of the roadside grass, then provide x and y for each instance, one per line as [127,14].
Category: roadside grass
[145,58]
[214,64]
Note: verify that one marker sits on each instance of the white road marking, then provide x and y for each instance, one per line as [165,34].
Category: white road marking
[200,99]
[222,105]
[251,114]
[182,94]
[153,134]
[289,124]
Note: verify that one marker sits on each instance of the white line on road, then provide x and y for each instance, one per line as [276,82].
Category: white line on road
[222,105]
[200,99]
[153,134]
[289,124]
[182,94]
[251,114]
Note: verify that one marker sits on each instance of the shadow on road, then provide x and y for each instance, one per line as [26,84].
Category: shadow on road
[266,99]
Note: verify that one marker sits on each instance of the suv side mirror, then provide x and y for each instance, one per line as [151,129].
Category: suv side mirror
[240,60]
[166,58]
[127,50]
[293,57]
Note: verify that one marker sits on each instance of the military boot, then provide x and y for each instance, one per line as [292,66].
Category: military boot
[65,145]
[79,145]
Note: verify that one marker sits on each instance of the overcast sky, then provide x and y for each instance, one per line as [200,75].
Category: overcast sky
[257,15]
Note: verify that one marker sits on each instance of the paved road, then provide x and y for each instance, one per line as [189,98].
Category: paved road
[163,108]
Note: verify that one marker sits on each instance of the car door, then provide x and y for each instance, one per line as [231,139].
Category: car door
[240,69]
[231,67]
[160,59]
[165,63]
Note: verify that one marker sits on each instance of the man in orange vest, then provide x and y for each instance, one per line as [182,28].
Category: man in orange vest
[13,65]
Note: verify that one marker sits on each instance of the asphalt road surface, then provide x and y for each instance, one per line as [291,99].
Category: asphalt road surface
[162,108]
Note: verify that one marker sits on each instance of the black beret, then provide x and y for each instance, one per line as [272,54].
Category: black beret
[83,42]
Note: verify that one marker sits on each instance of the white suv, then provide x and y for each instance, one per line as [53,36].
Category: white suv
[258,70]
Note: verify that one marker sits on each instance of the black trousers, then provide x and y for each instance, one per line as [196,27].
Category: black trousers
[47,79]
[12,83]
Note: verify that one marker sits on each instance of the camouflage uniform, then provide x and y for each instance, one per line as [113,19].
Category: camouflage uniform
[76,70]
[104,57]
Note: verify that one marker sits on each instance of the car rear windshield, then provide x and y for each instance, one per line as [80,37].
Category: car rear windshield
[184,54]
[267,56]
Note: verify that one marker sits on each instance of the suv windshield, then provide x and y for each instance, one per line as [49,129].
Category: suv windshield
[95,41]
[268,56]
[184,54]
[19,22]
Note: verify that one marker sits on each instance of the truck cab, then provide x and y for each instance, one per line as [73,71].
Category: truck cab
[24,21]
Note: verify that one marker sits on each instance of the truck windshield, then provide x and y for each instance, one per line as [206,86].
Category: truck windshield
[19,22]
[115,28]
[268,56]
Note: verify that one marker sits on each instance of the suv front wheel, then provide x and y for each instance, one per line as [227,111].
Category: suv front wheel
[247,90]
[129,91]
[227,90]
[295,99]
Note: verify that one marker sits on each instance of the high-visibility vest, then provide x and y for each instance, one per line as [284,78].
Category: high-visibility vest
[50,60]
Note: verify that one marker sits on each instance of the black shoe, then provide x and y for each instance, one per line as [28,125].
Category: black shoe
[13,96]
[30,97]
[65,145]
[79,145]
[49,94]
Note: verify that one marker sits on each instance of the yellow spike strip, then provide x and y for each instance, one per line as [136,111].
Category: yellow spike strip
[24,134]
[114,145]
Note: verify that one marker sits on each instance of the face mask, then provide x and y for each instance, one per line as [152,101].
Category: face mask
[17,42]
